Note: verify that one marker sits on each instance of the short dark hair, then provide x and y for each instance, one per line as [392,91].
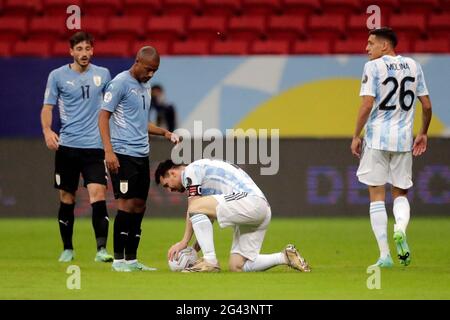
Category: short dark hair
[162,169]
[80,37]
[386,33]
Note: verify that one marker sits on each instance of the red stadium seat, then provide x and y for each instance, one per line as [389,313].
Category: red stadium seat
[423,7]
[432,46]
[300,7]
[127,28]
[312,47]
[12,28]
[326,26]
[261,7]
[166,28]
[163,47]
[102,7]
[387,6]
[94,25]
[21,8]
[61,49]
[32,49]
[403,46]
[350,46]
[439,25]
[246,28]
[410,26]
[59,7]
[224,8]
[270,47]
[5,49]
[47,28]
[112,49]
[445,5]
[193,47]
[230,47]
[206,28]
[285,27]
[181,7]
[342,6]
[142,7]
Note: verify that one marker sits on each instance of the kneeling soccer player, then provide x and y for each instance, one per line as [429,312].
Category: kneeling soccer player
[221,191]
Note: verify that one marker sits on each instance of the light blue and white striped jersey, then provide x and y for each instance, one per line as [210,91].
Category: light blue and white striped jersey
[129,102]
[78,96]
[395,82]
[219,177]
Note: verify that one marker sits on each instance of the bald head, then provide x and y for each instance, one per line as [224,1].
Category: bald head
[147,63]
[147,52]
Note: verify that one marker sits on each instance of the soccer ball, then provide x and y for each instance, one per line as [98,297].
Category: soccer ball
[186,258]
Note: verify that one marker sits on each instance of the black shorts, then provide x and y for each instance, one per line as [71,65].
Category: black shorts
[133,178]
[70,162]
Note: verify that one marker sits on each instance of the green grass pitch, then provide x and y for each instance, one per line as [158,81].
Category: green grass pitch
[339,251]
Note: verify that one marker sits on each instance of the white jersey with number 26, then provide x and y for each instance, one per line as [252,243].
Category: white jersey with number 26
[395,82]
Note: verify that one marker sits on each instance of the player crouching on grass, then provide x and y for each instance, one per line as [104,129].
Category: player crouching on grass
[221,191]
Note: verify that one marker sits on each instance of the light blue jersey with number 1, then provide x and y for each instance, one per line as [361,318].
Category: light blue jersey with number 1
[129,102]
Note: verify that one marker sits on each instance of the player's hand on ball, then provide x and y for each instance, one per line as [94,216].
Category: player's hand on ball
[356,147]
[112,163]
[175,249]
[51,139]
[420,144]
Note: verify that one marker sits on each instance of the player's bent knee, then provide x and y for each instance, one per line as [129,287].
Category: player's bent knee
[139,206]
[206,205]
[236,263]
[235,268]
[66,197]
[97,192]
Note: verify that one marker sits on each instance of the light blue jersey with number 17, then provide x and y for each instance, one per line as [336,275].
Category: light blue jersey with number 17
[78,96]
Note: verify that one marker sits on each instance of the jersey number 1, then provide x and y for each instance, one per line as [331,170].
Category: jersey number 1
[85,91]
[403,94]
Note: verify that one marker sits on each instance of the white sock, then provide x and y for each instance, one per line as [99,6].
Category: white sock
[401,213]
[118,260]
[264,262]
[379,221]
[131,261]
[203,230]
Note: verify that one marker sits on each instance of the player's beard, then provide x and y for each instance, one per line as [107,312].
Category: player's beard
[182,189]
[83,63]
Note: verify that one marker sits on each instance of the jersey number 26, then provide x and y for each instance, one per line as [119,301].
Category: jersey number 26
[403,94]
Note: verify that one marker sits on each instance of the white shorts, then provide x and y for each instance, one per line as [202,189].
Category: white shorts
[250,216]
[378,167]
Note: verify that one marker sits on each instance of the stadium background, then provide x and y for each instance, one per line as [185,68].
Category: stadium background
[287,64]
[294,65]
